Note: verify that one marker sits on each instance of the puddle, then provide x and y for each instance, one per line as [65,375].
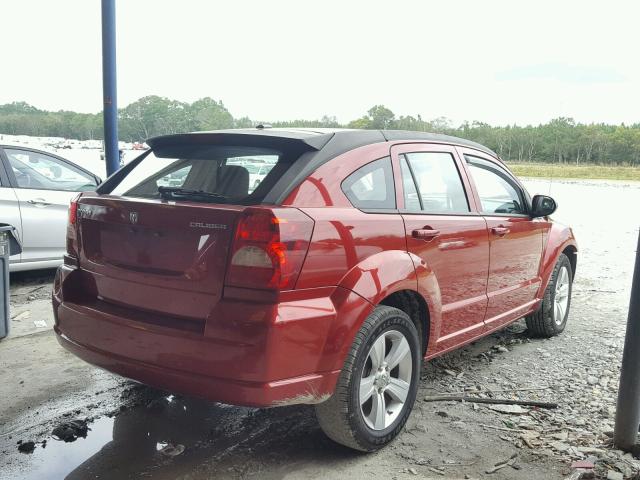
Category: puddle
[58,459]
[135,442]
[170,436]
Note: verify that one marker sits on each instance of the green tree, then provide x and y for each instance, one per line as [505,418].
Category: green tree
[208,114]
[151,116]
[560,140]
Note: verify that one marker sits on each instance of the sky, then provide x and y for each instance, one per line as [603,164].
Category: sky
[500,62]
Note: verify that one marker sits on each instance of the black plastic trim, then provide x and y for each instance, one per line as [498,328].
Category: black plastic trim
[340,143]
[380,210]
[4,176]
[507,215]
[442,214]
[403,158]
[115,178]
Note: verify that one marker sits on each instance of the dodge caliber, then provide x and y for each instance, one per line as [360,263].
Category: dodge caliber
[327,281]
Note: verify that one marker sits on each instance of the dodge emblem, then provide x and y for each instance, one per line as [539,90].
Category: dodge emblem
[133,216]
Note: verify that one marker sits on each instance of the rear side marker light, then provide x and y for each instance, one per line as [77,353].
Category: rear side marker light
[72,237]
[73,210]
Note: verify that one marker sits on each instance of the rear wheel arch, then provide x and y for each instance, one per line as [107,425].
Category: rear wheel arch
[379,275]
[571,252]
[415,306]
[399,290]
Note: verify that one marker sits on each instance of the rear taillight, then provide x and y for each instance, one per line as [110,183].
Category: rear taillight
[72,237]
[269,248]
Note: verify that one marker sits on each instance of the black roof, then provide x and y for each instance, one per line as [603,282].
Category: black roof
[310,147]
[394,135]
[314,138]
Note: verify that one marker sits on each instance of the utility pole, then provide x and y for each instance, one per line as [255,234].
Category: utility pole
[109,86]
[628,411]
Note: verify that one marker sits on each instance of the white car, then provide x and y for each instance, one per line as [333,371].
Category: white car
[257,172]
[35,190]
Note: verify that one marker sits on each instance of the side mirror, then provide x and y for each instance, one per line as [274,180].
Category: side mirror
[542,206]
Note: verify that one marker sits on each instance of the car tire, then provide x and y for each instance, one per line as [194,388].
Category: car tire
[388,340]
[551,318]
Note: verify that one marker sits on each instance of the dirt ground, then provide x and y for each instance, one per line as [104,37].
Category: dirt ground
[134,429]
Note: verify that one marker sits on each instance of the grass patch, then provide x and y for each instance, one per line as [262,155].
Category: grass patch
[547,170]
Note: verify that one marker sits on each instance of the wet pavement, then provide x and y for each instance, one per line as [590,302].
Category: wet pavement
[158,435]
[140,432]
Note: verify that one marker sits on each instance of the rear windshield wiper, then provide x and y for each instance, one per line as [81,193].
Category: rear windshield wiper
[176,193]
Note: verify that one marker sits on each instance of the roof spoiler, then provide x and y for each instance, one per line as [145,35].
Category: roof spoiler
[263,138]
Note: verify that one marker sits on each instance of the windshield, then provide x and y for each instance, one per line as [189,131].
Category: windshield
[228,174]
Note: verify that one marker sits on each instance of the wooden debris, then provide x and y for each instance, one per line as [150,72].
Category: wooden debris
[501,401]
[506,463]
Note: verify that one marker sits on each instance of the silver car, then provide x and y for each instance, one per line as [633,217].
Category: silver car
[35,190]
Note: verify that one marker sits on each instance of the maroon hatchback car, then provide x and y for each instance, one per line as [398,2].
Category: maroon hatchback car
[325,281]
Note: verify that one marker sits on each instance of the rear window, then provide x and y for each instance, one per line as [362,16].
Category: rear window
[209,173]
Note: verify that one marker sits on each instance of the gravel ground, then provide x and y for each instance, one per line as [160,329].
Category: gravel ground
[139,432]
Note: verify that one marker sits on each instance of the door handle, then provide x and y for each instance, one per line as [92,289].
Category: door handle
[38,202]
[425,234]
[500,231]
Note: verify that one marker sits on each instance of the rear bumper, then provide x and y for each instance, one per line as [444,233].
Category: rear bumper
[254,354]
[314,388]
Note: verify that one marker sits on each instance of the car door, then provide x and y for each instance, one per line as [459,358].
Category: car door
[9,206]
[44,186]
[515,239]
[449,237]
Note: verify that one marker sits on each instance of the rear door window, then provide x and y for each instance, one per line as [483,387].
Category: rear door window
[371,186]
[438,183]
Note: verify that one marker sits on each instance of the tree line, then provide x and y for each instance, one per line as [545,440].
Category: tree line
[561,140]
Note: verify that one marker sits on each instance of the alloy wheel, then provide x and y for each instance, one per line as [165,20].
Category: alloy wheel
[561,298]
[385,380]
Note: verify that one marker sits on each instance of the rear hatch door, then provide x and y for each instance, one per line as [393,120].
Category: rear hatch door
[156,236]
[165,257]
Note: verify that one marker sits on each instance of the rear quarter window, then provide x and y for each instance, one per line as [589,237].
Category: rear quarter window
[371,186]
